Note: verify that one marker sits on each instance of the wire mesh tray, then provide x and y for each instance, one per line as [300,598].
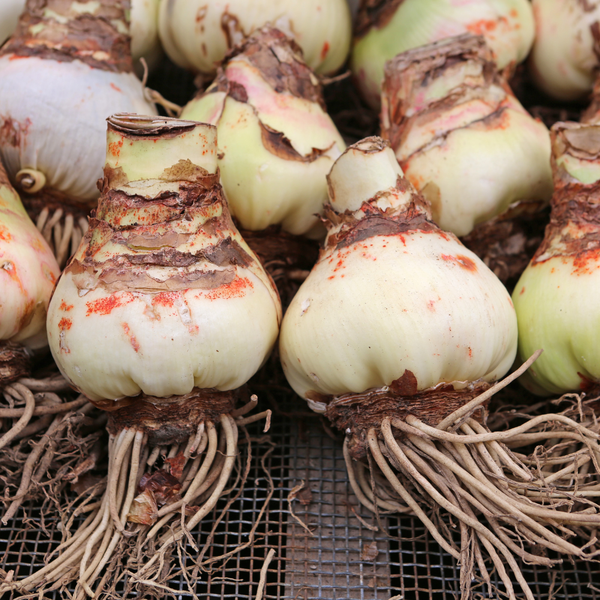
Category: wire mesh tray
[327,547]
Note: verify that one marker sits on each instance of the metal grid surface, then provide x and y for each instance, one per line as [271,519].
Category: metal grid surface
[341,557]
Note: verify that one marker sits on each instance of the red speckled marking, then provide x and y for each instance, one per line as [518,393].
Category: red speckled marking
[463,261]
[585,262]
[104,306]
[132,339]
[64,306]
[236,289]
[483,25]
[115,148]
[165,299]
[65,324]
[116,88]
[4,234]
[324,50]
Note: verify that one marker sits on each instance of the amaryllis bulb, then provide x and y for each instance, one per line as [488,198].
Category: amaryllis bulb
[385,29]
[196,34]
[556,297]
[393,303]
[28,272]
[460,135]
[563,59]
[163,295]
[276,141]
[57,87]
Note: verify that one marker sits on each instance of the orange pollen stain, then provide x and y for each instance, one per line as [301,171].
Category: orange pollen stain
[324,50]
[64,306]
[165,299]
[115,148]
[585,262]
[463,261]
[470,352]
[482,26]
[65,324]
[522,291]
[236,289]
[132,339]
[104,306]
[4,234]
[116,88]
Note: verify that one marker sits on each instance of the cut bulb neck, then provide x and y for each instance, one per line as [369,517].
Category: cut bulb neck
[576,155]
[96,33]
[142,150]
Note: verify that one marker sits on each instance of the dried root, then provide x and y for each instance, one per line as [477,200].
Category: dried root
[153,509]
[36,438]
[505,504]
[62,230]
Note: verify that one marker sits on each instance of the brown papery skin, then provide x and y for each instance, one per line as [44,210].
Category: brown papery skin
[279,60]
[90,38]
[405,74]
[574,228]
[168,420]
[361,412]
[15,362]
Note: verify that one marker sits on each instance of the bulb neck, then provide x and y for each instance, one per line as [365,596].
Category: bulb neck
[369,195]
[434,78]
[575,206]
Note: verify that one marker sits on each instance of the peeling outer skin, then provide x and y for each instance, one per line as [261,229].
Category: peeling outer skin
[279,60]
[168,420]
[405,74]
[186,196]
[574,228]
[100,39]
[361,412]
[376,221]
[125,125]
[374,13]
[116,273]
[15,362]
[508,242]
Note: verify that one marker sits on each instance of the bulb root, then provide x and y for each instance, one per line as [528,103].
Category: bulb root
[504,502]
[196,473]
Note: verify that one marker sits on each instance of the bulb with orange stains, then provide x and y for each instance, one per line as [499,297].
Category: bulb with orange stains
[163,295]
[392,297]
[556,296]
